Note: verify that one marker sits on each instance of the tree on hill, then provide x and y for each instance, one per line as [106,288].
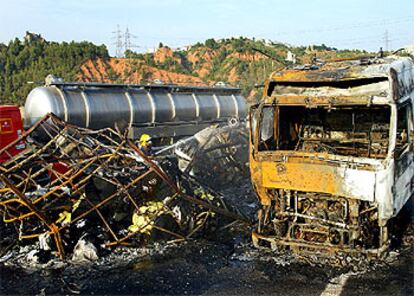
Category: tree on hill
[35,58]
[211,43]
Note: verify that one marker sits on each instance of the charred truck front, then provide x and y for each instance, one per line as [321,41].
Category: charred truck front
[331,154]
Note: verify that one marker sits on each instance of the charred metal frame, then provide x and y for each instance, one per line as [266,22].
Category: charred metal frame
[36,192]
[300,191]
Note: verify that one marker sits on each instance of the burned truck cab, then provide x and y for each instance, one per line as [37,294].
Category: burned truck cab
[331,154]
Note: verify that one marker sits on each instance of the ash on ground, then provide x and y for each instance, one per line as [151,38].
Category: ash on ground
[223,263]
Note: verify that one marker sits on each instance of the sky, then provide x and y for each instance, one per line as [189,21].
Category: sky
[356,24]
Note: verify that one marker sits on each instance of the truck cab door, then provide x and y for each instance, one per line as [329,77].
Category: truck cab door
[404,157]
[254,116]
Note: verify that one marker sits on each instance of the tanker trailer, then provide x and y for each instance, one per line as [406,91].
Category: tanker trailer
[162,111]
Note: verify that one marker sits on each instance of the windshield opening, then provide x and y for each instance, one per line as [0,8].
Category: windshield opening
[358,131]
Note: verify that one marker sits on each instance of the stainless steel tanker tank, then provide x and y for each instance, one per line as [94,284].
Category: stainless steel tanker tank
[161,110]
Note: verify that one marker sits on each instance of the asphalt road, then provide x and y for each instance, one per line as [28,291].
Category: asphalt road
[211,267]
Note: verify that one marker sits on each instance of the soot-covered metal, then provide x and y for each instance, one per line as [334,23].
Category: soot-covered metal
[73,185]
[332,155]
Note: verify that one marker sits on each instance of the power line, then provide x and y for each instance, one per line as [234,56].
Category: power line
[127,35]
[123,41]
[118,41]
[344,27]
[128,45]
[176,40]
[386,41]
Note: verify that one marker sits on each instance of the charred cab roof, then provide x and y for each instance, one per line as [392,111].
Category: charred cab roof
[345,74]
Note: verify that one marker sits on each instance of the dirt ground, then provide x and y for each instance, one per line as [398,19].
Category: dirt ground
[224,263]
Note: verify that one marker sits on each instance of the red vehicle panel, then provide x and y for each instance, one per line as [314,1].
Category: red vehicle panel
[11,128]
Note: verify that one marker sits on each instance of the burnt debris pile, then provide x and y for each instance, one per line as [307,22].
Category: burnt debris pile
[73,187]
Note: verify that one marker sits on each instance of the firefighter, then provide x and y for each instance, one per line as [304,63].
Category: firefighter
[145,144]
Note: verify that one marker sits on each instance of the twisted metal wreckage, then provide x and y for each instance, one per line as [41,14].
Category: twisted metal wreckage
[331,155]
[72,181]
[215,156]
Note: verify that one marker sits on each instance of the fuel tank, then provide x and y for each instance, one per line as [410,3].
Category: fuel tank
[98,105]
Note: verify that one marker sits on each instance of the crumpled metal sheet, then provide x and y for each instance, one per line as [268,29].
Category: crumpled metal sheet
[216,156]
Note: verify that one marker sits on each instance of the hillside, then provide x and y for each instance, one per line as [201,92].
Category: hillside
[238,62]
[132,71]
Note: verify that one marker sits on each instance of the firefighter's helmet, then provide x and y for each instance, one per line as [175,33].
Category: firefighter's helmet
[145,140]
